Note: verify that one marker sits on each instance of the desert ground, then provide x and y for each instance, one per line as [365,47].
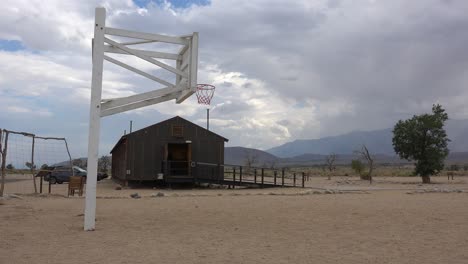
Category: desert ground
[342,220]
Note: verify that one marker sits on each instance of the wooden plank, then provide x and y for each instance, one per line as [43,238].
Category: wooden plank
[193,69]
[135,70]
[152,54]
[146,36]
[139,104]
[184,95]
[185,58]
[138,42]
[111,103]
[193,61]
[146,58]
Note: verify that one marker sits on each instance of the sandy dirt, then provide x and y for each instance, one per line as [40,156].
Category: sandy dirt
[382,224]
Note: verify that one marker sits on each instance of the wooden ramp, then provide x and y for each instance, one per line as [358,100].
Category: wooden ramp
[234,175]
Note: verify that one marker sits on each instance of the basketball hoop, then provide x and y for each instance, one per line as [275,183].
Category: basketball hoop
[205,93]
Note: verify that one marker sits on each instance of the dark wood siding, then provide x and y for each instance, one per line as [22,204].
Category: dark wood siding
[119,164]
[145,148]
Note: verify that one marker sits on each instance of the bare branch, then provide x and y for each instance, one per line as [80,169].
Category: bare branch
[251,158]
[364,153]
[330,161]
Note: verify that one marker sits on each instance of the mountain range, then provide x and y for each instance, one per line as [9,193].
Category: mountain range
[377,141]
[314,151]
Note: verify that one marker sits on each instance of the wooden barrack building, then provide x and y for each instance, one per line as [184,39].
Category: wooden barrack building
[166,151]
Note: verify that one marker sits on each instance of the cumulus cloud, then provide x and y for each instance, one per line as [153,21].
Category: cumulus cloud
[299,70]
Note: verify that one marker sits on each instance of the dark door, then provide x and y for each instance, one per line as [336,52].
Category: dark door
[178,157]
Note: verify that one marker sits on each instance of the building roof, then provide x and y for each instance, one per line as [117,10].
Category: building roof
[167,120]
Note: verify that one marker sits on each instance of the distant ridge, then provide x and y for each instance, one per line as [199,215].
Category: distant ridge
[238,156]
[377,141]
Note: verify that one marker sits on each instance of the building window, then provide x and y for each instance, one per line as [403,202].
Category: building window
[177,131]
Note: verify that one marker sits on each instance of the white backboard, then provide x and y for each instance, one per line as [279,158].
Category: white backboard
[185,72]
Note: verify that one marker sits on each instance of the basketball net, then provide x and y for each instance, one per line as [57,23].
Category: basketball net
[204,93]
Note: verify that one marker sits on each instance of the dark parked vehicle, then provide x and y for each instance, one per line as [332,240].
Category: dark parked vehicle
[61,174]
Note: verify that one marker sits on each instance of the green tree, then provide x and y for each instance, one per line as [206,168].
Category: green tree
[29,165]
[423,139]
[10,167]
[104,164]
[82,163]
[357,166]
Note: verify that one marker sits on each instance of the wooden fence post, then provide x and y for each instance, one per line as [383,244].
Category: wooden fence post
[193,172]
[234,178]
[219,173]
[4,154]
[303,183]
[294,179]
[255,175]
[240,175]
[32,164]
[274,177]
[282,177]
[263,176]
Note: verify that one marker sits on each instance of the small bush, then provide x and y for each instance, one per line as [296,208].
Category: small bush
[365,176]
[357,166]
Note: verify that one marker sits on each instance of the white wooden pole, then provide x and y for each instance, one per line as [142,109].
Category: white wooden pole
[94,119]
[194,62]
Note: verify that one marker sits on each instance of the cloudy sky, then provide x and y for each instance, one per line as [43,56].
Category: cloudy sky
[283,70]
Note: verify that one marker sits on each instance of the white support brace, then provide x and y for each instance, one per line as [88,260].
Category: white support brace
[139,104]
[194,61]
[108,104]
[152,54]
[138,42]
[193,69]
[184,95]
[146,58]
[146,36]
[94,120]
[135,70]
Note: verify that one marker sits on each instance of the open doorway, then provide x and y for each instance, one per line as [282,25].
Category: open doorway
[178,157]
